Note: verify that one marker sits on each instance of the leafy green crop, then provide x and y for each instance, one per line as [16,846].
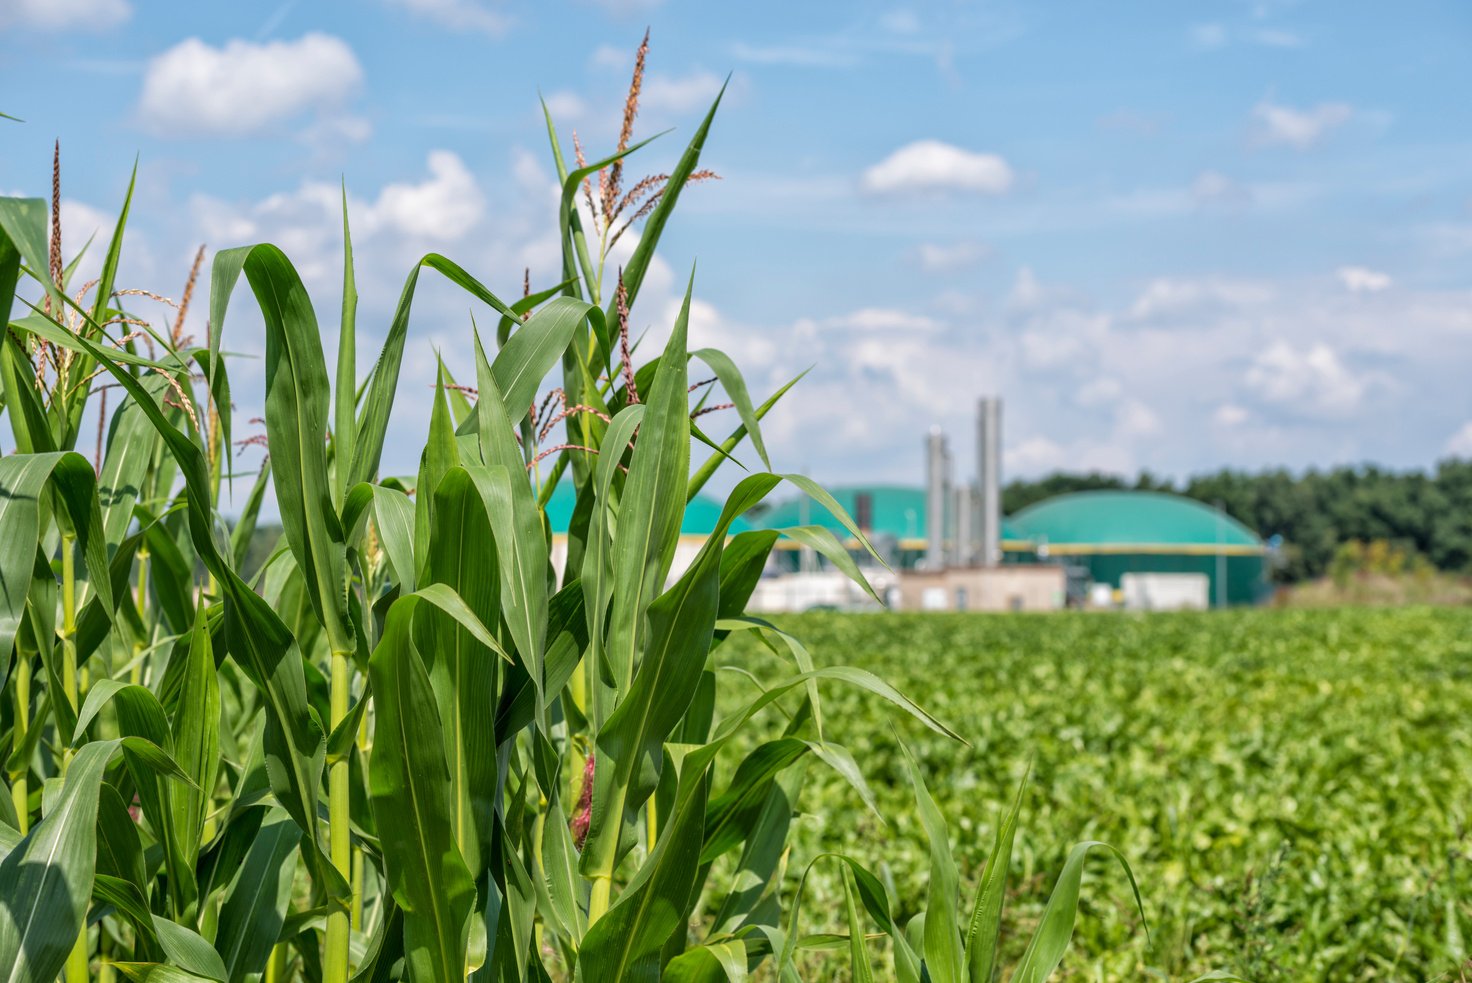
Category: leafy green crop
[1290,787]
[406,747]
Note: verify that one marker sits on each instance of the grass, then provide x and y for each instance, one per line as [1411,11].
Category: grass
[1291,787]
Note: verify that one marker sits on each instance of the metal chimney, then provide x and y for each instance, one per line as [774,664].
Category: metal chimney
[937,487]
[989,477]
[963,550]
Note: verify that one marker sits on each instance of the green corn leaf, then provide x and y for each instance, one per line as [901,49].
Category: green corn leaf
[439,456]
[296,428]
[462,667]
[986,917]
[943,954]
[131,445]
[383,381]
[1055,931]
[30,425]
[23,480]
[597,572]
[196,741]
[156,973]
[393,516]
[858,948]
[681,625]
[651,508]
[624,944]
[255,902]
[46,880]
[732,814]
[410,786]
[735,385]
[344,423]
[257,638]
[188,950]
[709,963]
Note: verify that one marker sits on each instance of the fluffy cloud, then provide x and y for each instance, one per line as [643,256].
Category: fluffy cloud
[1229,415]
[1362,279]
[928,166]
[1215,188]
[244,87]
[679,94]
[1168,297]
[936,257]
[1298,128]
[58,15]
[446,205]
[1312,379]
[459,15]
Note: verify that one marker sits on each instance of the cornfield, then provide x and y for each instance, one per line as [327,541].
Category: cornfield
[407,747]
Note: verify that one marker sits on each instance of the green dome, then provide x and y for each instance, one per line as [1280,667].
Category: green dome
[1136,521]
[701,514]
[894,510]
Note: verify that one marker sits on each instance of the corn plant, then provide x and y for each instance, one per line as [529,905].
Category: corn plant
[407,746]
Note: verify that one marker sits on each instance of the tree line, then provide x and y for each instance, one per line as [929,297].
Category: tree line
[1314,512]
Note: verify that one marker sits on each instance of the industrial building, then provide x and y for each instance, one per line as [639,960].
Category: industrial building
[1192,555]
[948,546]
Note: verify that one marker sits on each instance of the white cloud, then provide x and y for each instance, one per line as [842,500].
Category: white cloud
[1135,419]
[870,319]
[446,205]
[244,87]
[796,56]
[679,94]
[1362,279]
[1460,443]
[937,257]
[1229,415]
[1167,296]
[566,106]
[58,15]
[1214,187]
[1099,392]
[1311,379]
[459,15]
[900,21]
[933,166]
[1298,128]
[1208,35]
[610,57]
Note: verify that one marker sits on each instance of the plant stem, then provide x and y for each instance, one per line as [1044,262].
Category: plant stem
[69,620]
[598,899]
[135,675]
[19,789]
[335,962]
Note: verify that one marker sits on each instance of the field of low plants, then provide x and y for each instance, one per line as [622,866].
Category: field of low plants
[1292,788]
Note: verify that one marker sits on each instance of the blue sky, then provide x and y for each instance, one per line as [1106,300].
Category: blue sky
[1171,235]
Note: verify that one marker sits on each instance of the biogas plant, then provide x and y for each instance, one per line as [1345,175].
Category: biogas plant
[947,546]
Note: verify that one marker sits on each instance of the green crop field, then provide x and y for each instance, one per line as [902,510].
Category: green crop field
[1290,787]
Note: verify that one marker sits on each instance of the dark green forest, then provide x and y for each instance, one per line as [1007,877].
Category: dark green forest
[1428,513]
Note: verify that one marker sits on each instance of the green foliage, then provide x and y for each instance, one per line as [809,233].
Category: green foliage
[1290,787]
[403,744]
